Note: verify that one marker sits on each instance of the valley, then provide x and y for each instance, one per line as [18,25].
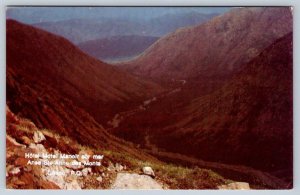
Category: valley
[205,100]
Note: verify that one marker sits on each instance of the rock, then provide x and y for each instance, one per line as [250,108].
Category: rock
[69,178]
[48,185]
[74,185]
[148,171]
[75,165]
[38,148]
[15,171]
[28,168]
[12,141]
[135,181]
[59,180]
[235,186]
[84,153]
[26,140]
[110,167]
[86,171]
[38,137]
[119,167]
[99,179]
[19,183]
[21,161]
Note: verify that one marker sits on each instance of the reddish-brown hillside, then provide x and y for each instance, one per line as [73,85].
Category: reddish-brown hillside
[247,121]
[250,119]
[37,58]
[216,48]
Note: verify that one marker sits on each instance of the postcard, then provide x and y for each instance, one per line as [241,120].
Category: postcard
[165,98]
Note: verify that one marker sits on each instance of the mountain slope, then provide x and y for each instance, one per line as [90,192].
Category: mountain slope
[216,48]
[38,57]
[21,138]
[248,121]
[117,47]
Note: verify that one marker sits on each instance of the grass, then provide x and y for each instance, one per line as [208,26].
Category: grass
[174,176]
[170,175]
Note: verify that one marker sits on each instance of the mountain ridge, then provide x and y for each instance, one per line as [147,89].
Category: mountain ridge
[217,47]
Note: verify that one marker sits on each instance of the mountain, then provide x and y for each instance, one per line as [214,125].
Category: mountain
[248,121]
[117,48]
[162,25]
[49,67]
[250,118]
[31,15]
[81,30]
[216,48]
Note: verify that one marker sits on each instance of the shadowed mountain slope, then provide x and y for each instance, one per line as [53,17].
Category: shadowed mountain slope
[42,60]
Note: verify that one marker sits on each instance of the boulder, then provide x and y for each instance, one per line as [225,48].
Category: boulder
[86,171]
[119,167]
[148,171]
[135,181]
[59,180]
[26,140]
[21,161]
[84,153]
[38,148]
[75,165]
[111,167]
[15,171]
[235,186]
[74,185]
[13,142]
[38,137]
[99,179]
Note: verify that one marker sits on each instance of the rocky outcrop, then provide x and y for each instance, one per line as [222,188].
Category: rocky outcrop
[148,171]
[22,174]
[38,137]
[235,186]
[135,181]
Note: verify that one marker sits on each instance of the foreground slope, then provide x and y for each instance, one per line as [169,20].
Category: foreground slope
[21,138]
[37,58]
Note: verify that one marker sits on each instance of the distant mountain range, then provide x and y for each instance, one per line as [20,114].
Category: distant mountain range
[31,15]
[81,30]
[86,31]
[117,48]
